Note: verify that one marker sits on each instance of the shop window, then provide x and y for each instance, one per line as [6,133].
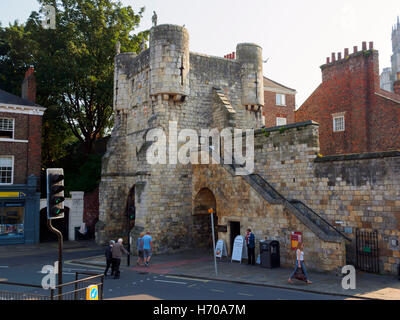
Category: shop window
[11,220]
[7,128]
[6,170]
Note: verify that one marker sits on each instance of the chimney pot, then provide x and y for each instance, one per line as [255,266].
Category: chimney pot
[346,52]
[327,60]
[355,49]
[339,56]
[333,57]
[29,85]
[364,45]
[371,45]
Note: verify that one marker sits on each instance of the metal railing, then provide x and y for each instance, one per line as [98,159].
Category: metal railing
[75,290]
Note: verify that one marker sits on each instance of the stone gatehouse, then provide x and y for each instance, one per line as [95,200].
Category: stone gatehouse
[290,184]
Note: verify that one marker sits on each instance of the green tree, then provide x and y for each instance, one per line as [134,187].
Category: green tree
[74,62]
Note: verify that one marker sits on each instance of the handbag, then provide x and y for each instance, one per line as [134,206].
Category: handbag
[299,274]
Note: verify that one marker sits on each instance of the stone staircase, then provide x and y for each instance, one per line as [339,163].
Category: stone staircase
[322,228]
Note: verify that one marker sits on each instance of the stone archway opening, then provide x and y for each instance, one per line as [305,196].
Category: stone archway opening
[130,210]
[202,230]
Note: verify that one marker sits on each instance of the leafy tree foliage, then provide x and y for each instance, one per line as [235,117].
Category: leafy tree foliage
[73,66]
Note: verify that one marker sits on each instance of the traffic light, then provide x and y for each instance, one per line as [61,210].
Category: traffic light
[131,213]
[55,193]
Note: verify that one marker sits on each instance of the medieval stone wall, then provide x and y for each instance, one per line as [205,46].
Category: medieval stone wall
[236,200]
[162,84]
[355,191]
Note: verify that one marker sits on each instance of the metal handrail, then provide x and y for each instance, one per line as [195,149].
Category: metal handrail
[52,296]
[77,281]
[312,211]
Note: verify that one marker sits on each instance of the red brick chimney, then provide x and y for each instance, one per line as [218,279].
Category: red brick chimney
[29,85]
[396,84]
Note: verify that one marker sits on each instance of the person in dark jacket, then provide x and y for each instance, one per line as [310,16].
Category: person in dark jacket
[117,252]
[109,260]
[251,246]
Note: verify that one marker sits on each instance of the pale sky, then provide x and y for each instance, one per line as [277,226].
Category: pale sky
[296,35]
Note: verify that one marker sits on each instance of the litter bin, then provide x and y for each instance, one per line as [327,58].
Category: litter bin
[269,254]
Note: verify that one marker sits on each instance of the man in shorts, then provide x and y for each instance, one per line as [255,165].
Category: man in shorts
[147,242]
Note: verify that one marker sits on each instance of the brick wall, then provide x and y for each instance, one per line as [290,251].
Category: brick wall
[350,85]
[271,111]
[27,156]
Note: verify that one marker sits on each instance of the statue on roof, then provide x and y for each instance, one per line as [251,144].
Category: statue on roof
[154,19]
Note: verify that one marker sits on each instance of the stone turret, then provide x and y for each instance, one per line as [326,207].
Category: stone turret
[250,57]
[169,62]
[396,50]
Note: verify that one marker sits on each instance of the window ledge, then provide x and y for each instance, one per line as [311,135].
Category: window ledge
[13,140]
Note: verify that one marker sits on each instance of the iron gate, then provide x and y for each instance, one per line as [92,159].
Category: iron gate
[367,251]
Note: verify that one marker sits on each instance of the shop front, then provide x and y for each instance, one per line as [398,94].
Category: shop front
[19,214]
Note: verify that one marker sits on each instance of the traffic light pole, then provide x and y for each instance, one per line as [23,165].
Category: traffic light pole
[60,248]
[129,241]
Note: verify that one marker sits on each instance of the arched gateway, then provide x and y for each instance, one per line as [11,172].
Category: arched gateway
[202,231]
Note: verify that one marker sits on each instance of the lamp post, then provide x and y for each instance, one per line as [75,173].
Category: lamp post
[211,211]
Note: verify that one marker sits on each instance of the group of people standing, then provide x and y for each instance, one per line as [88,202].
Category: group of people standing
[113,257]
[144,247]
[114,252]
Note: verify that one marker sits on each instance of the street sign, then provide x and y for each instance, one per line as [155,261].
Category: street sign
[92,292]
[238,249]
[295,239]
[220,249]
[12,194]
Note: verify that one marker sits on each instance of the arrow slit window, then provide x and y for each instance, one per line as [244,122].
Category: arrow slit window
[6,170]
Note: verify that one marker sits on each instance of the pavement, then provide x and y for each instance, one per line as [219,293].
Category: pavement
[200,265]
[20,250]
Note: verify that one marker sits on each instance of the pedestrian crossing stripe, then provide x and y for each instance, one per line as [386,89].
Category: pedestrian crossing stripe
[92,293]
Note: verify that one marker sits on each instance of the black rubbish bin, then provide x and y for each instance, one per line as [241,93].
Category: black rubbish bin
[269,254]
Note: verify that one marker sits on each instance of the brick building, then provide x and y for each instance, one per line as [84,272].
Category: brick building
[355,115]
[279,104]
[20,159]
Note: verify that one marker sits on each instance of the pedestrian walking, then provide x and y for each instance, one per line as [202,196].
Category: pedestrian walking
[147,242]
[109,260]
[251,246]
[140,249]
[300,263]
[117,252]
